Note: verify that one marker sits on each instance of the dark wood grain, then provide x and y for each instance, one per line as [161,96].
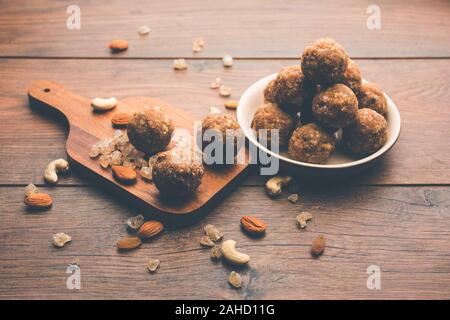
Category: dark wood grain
[420,88]
[404,231]
[413,28]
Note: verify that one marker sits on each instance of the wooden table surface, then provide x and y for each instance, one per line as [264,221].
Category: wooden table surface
[397,216]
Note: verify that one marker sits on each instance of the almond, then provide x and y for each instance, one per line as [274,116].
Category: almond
[118,45]
[38,200]
[120,119]
[128,243]
[124,174]
[253,225]
[150,229]
[318,246]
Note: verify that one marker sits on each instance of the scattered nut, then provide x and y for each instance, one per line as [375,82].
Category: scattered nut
[253,225]
[198,45]
[60,239]
[230,253]
[225,91]
[302,218]
[135,222]
[214,110]
[128,243]
[152,265]
[120,119]
[293,198]
[144,30]
[216,253]
[38,200]
[30,189]
[213,233]
[206,242]
[103,104]
[59,165]
[179,64]
[274,185]
[150,229]
[215,84]
[227,60]
[318,246]
[118,45]
[231,104]
[147,173]
[235,279]
[124,175]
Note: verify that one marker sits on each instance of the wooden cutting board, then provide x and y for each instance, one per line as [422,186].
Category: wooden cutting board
[87,127]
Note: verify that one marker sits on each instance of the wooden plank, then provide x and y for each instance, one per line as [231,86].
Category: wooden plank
[29,140]
[404,231]
[413,28]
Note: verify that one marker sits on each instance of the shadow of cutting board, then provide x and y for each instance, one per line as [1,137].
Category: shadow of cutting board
[87,127]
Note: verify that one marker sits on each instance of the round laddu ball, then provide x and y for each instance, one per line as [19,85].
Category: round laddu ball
[335,106]
[224,125]
[311,143]
[367,133]
[176,174]
[270,116]
[150,130]
[352,77]
[324,62]
[370,96]
[290,90]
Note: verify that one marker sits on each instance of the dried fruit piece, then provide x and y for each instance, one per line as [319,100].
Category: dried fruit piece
[120,119]
[30,189]
[103,104]
[38,200]
[104,161]
[206,242]
[147,173]
[179,64]
[124,174]
[253,225]
[128,243]
[302,218]
[135,222]
[143,30]
[216,253]
[152,265]
[231,104]
[198,44]
[318,246]
[213,233]
[118,45]
[150,229]
[235,279]
[293,198]
[60,239]
[227,60]
[95,151]
[50,173]
[215,84]
[225,91]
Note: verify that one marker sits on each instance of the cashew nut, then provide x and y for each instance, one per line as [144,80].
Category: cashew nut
[229,252]
[59,165]
[274,185]
[102,104]
[214,110]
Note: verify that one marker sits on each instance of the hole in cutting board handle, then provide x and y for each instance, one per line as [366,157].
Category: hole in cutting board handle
[47,90]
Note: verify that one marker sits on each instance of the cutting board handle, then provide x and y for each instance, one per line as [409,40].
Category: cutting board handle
[44,94]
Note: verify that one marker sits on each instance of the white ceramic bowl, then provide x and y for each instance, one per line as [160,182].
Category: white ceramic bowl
[340,161]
